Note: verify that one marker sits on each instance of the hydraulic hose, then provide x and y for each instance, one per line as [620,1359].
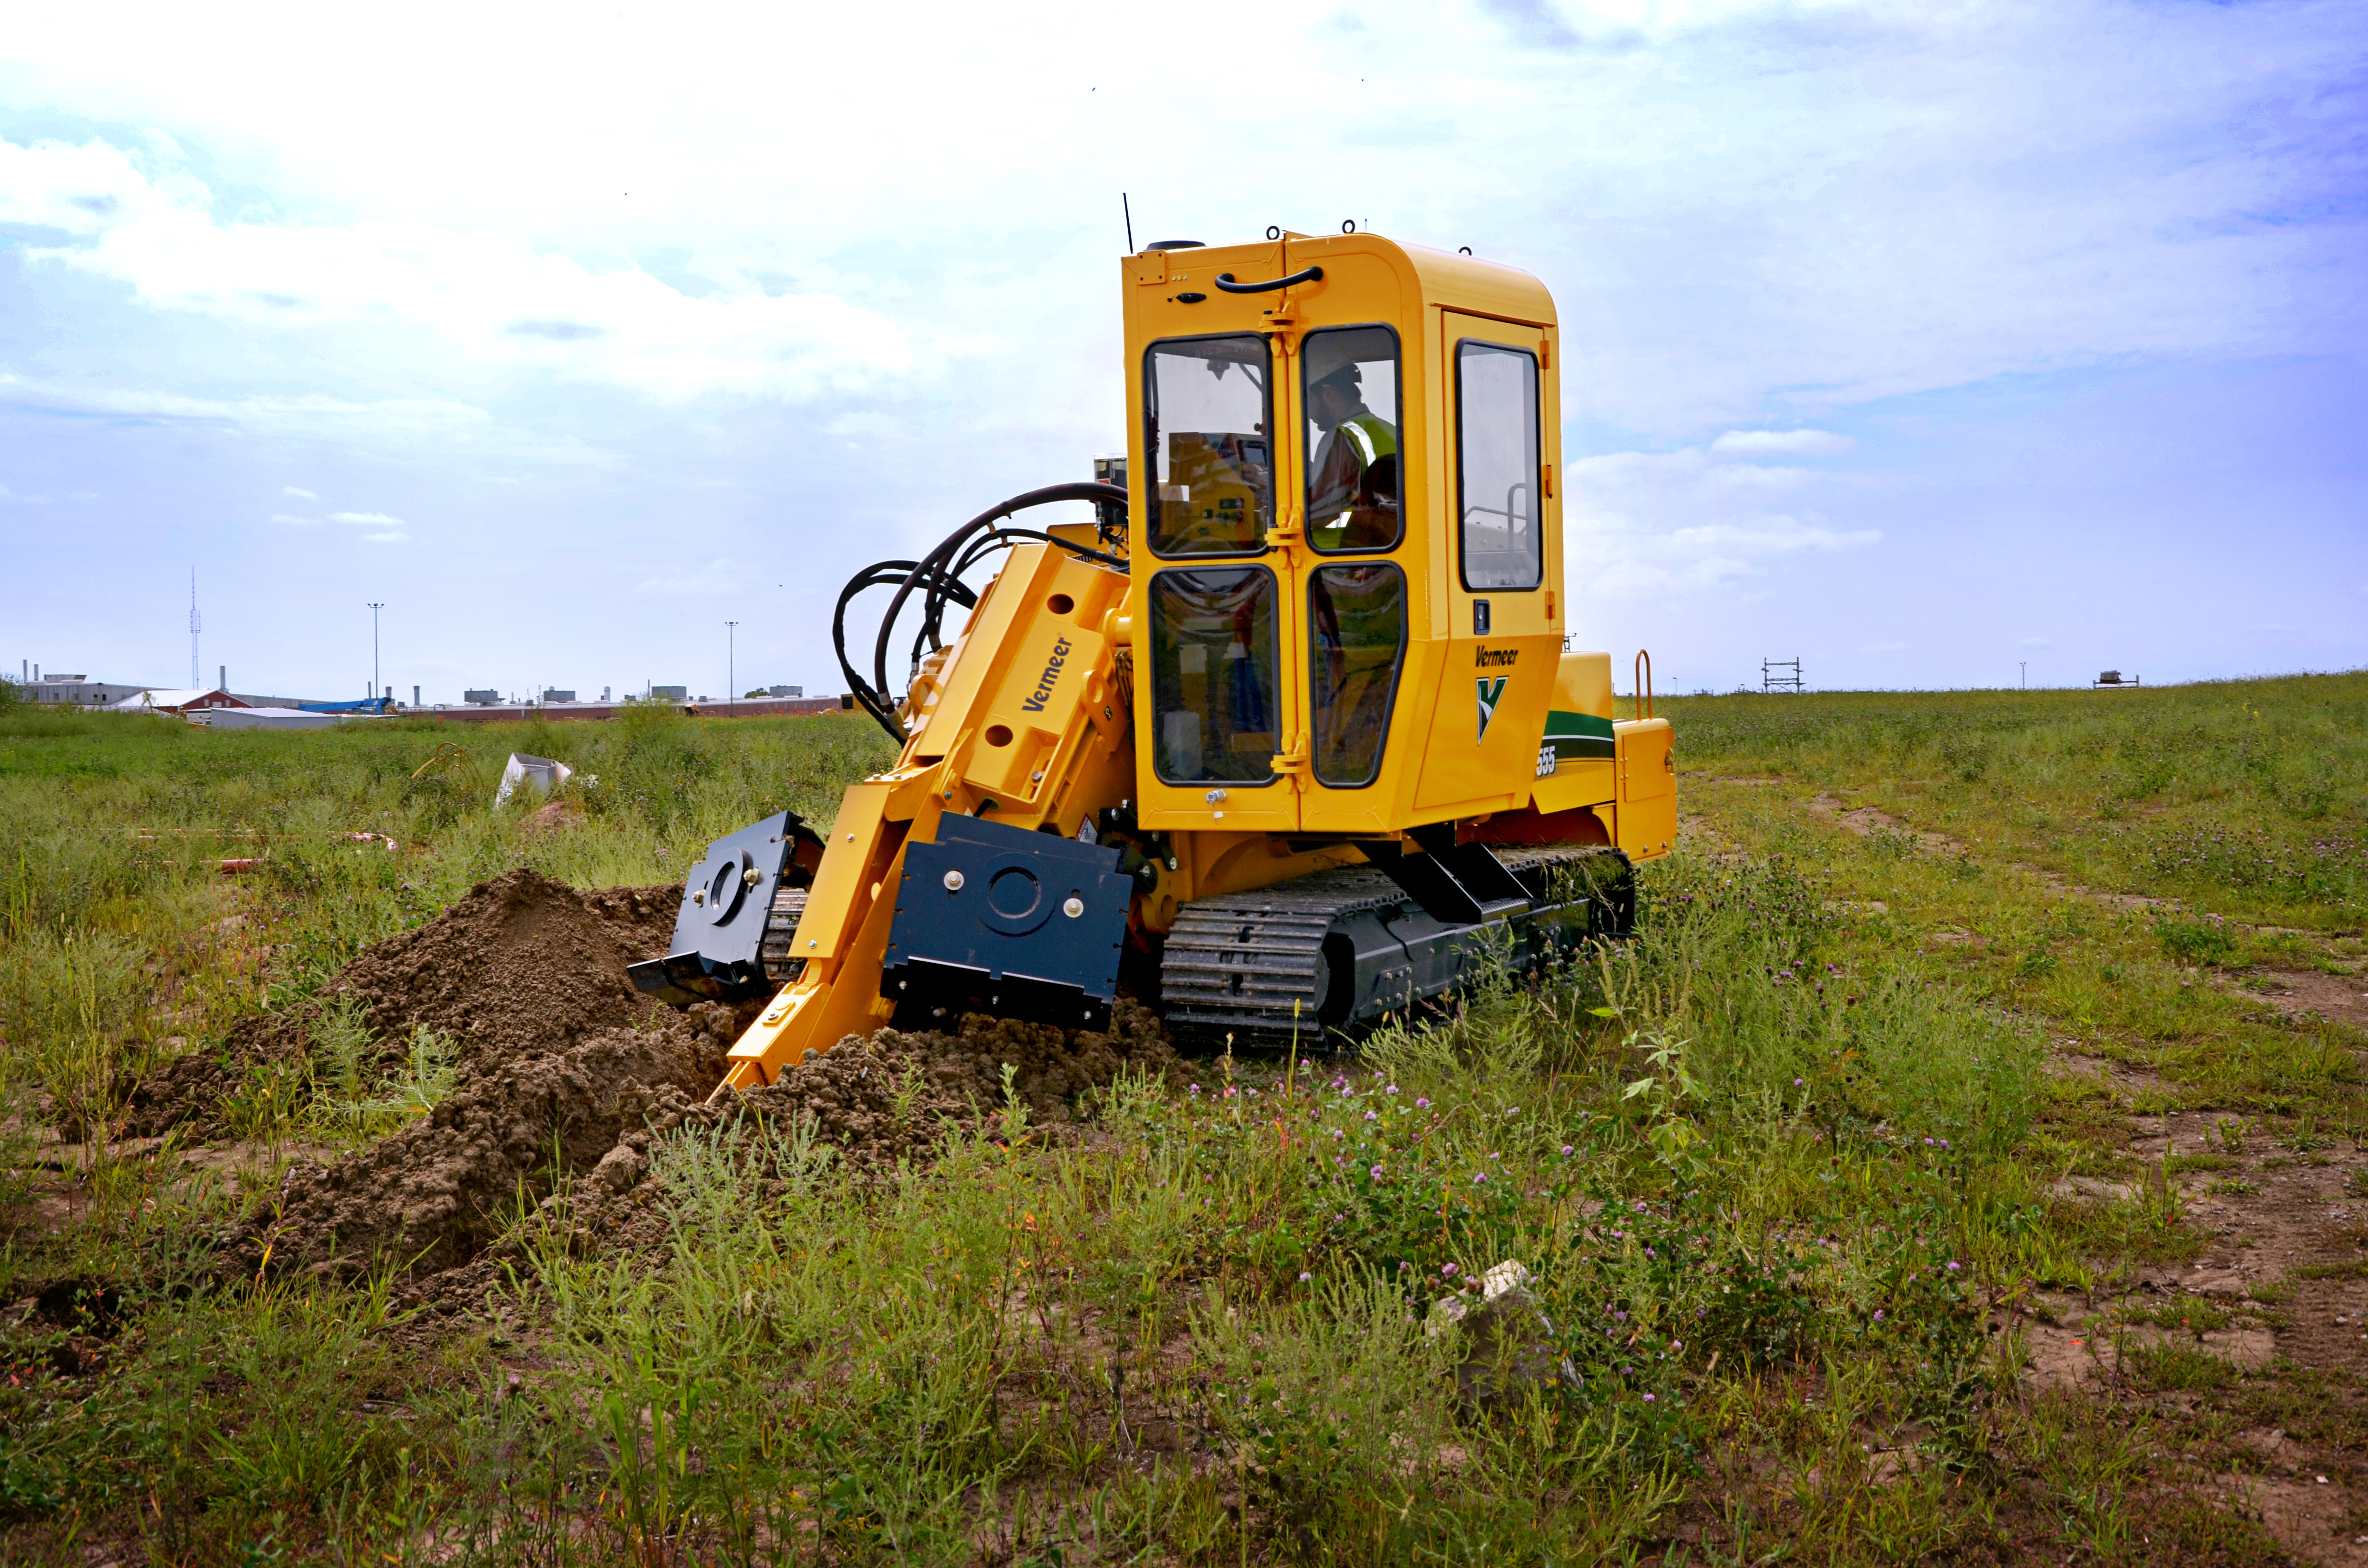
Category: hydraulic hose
[939,574]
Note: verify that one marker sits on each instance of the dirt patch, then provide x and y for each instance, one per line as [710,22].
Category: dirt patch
[1867,821]
[2292,1223]
[2115,900]
[2124,1081]
[2061,1355]
[2307,1515]
[2338,998]
[521,963]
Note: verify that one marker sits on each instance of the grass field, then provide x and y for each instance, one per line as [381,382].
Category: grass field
[1963,1163]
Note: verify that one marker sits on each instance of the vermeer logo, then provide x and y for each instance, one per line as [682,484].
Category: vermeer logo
[1053,673]
[1495,658]
[1491,693]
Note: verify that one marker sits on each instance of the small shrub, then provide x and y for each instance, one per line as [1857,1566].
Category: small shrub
[2179,1367]
[2195,941]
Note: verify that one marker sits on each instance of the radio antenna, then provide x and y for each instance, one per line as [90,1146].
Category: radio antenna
[1129,214]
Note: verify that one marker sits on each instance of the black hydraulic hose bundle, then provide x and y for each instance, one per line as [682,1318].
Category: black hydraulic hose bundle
[939,576]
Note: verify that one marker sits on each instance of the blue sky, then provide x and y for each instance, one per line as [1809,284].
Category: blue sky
[1921,341]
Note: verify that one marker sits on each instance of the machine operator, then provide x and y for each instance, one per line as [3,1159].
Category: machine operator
[1353,494]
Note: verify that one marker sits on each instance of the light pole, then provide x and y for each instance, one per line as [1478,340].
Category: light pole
[374,609]
[2026,674]
[731,674]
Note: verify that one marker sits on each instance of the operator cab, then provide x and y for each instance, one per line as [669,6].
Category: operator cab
[1341,511]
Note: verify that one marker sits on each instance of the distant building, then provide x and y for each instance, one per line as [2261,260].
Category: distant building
[79,690]
[553,694]
[182,701]
[670,693]
[785,691]
[482,699]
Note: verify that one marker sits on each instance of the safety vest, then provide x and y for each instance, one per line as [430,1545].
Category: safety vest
[1372,436]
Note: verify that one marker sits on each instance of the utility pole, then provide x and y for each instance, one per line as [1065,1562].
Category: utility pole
[731,664]
[374,608]
[194,624]
[2026,674]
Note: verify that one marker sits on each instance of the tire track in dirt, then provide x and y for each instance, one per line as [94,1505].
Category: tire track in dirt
[2284,1280]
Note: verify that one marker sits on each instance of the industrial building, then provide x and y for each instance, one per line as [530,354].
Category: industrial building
[80,690]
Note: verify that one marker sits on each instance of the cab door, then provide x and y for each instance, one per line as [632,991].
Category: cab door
[1355,598]
[1217,707]
[1502,552]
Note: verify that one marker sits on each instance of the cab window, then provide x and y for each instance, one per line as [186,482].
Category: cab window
[1206,413]
[1349,396]
[1497,461]
[1214,714]
[1357,633]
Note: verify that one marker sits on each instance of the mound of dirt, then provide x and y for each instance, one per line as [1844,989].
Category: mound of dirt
[431,1195]
[564,1074]
[523,963]
[434,1195]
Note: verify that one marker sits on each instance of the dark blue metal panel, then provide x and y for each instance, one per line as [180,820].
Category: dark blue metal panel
[1004,920]
[724,903]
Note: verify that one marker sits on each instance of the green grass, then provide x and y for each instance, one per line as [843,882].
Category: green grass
[2249,796]
[1776,1169]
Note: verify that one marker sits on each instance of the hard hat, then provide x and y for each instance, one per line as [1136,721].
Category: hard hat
[1332,357]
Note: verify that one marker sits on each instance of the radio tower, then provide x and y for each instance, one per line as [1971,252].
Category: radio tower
[194,624]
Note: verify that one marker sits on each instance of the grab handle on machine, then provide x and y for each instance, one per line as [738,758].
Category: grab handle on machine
[1225,280]
[1643,684]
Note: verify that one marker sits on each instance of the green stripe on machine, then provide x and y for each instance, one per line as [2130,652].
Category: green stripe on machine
[1577,735]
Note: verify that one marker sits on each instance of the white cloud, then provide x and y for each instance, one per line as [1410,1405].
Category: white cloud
[1741,204]
[496,298]
[299,494]
[1784,443]
[364,517]
[302,414]
[1647,522]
